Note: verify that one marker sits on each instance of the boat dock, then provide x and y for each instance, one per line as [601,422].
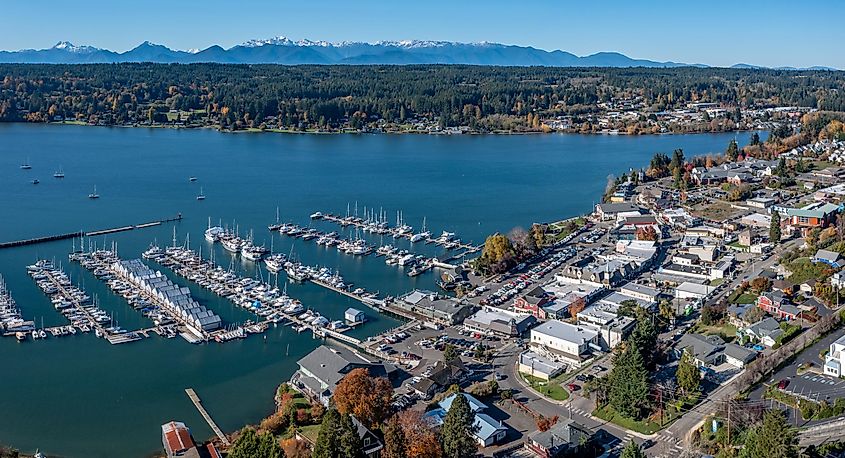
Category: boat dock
[198,404]
[71,235]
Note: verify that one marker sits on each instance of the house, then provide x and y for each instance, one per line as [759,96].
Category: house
[765,331]
[835,359]
[777,305]
[737,355]
[321,370]
[501,322]
[177,440]
[831,258]
[538,366]
[444,375]
[761,202]
[371,443]
[486,430]
[565,342]
[739,315]
[566,437]
[430,305]
[533,302]
[705,351]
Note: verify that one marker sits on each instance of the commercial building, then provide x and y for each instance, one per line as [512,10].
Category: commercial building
[496,321]
[835,359]
[446,310]
[565,342]
[536,365]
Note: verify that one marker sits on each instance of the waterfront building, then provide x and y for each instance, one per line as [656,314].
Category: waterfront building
[321,370]
[496,321]
[177,441]
[177,300]
[446,310]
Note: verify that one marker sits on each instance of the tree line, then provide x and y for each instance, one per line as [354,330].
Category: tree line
[343,96]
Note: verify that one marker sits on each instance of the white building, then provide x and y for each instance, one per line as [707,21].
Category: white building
[835,359]
[565,342]
[695,291]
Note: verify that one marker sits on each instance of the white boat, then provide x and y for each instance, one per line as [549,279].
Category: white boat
[232,244]
[212,234]
[192,179]
[94,194]
[422,235]
[275,262]
[316,215]
[35,181]
[59,173]
[252,252]
[201,195]
[25,165]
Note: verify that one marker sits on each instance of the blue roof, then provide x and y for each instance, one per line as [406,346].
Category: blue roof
[474,404]
[486,426]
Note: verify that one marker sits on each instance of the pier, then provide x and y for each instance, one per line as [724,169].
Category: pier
[198,404]
[77,234]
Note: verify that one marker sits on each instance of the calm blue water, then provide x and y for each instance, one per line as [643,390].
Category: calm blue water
[80,396]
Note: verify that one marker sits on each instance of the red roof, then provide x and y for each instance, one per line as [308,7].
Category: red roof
[212,450]
[177,436]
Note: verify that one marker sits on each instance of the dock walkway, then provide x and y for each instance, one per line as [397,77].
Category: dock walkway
[71,235]
[198,404]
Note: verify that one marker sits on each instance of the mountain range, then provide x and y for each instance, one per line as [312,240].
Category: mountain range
[281,50]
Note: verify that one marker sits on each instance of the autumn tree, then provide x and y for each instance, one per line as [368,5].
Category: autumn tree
[646,233]
[577,306]
[294,448]
[368,398]
[421,441]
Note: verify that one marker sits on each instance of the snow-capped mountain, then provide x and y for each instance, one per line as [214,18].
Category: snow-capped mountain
[286,51]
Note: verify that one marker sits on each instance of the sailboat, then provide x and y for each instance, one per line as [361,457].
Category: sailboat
[25,165]
[59,173]
[201,195]
[94,194]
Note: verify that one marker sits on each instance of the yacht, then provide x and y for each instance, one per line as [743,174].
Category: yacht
[192,179]
[59,173]
[35,181]
[232,244]
[275,262]
[25,165]
[94,194]
[212,234]
[422,235]
[252,252]
[201,195]
[316,215]
[296,273]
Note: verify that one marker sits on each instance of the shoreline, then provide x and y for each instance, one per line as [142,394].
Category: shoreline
[409,132]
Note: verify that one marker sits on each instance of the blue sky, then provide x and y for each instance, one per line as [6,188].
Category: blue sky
[714,32]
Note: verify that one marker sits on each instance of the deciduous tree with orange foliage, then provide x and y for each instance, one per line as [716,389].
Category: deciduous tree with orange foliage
[367,398]
[420,440]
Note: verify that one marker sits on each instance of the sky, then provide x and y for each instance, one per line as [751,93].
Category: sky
[713,32]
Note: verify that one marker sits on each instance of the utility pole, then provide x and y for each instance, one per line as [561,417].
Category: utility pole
[729,422]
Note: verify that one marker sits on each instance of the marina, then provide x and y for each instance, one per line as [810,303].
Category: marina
[485,189]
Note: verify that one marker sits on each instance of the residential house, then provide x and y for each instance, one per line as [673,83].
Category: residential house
[321,370]
[370,442]
[831,258]
[705,351]
[737,355]
[765,332]
[565,438]
[486,430]
[777,305]
[443,375]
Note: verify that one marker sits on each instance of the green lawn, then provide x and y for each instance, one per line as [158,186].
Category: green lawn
[717,281]
[643,426]
[310,431]
[726,331]
[803,269]
[744,298]
[551,388]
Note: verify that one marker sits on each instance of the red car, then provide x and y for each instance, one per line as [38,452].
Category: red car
[783,384]
[573,387]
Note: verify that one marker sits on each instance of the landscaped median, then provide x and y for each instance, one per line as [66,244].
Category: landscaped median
[551,388]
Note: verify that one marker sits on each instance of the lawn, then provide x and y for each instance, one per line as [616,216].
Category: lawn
[726,331]
[803,269]
[716,282]
[744,298]
[643,426]
[310,431]
[551,388]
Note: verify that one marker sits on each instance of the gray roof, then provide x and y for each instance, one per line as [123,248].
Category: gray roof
[562,435]
[701,347]
[739,352]
[827,255]
[330,365]
[619,207]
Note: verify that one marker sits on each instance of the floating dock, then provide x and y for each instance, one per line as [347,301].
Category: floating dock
[198,404]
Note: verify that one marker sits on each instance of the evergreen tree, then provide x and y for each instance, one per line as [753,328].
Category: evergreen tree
[632,450]
[733,151]
[351,445]
[755,139]
[338,437]
[773,438]
[629,383]
[644,338]
[774,228]
[250,444]
[687,375]
[394,440]
[457,431]
[450,353]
